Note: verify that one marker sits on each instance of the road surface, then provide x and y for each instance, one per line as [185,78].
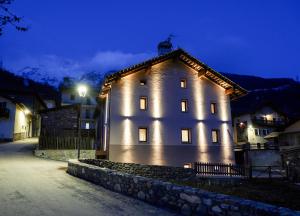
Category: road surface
[31,186]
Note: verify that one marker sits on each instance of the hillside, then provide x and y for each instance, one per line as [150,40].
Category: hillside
[11,82]
[283,93]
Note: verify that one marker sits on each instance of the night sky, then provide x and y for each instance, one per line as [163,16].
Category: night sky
[257,37]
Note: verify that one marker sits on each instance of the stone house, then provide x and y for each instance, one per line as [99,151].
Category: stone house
[15,120]
[169,110]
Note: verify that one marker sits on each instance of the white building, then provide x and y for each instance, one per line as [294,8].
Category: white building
[15,120]
[169,110]
[253,126]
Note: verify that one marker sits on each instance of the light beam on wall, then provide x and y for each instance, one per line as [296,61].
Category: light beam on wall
[157,143]
[127,141]
[226,143]
[198,95]
[127,91]
[202,142]
[156,92]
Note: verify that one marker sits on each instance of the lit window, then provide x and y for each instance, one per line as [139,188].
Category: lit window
[213,108]
[143,103]
[184,106]
[143,82]
[143,134]
[215,136]
[185,135]
[87,125]
[183,83]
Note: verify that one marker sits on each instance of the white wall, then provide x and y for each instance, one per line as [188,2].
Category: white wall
[7,125]
[164,118]
[21,121]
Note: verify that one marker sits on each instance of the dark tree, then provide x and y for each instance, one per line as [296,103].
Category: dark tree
[9,18]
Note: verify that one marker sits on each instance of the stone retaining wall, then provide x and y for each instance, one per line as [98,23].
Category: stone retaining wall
[183,199]
[64,155]
[152,171]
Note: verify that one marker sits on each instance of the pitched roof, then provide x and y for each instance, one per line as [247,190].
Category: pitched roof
[190,61]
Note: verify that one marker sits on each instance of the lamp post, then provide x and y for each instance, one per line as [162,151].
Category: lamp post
[82,90]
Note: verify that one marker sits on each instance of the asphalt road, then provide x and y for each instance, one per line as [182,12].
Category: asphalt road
[31,186]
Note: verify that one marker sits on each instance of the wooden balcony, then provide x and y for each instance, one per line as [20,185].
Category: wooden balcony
[270,123]
[4,113]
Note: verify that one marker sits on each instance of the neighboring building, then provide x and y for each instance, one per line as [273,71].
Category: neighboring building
[69,96]
[60,122]
[253,126]
[169,110]
[290,137]
[15,120]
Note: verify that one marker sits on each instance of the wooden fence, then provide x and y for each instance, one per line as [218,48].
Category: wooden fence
[250,172]
[86,143]
[219,169]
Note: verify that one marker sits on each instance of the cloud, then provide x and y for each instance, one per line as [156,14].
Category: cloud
[54,67]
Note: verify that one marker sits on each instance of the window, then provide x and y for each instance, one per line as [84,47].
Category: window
[256,132]
[213,108]
[72,97]
[87,113]
[143,134]
[2,105]
[184,106]
[186,136]
[143,103]
[265,132]
[87,125]
[88,101]
[143,82]
[215,136]
[183,83]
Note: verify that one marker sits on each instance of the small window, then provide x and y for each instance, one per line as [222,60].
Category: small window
[143,134]
[215,136]
[265,132]
[87,125]
[183,83]
[87,114]
[88,101]
[186,136]
[72,97]
[256,132]
[143,103]
[143,82]
[184,106]
[213,108]
[3,105]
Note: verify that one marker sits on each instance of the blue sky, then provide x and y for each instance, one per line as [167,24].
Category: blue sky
[69,37]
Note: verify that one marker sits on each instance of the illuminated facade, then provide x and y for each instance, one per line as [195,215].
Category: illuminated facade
[15,120]
[252,127]
[170,110]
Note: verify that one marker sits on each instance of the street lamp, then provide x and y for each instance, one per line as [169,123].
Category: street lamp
[82,90]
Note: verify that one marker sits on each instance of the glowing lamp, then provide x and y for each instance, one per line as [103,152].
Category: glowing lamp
[187,165]
[82,90]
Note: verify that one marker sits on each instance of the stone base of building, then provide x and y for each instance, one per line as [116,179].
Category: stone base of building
[64,155]
[170,155]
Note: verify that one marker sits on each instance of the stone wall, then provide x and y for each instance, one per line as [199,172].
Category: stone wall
[64,155]
[183,199]
[152,171]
